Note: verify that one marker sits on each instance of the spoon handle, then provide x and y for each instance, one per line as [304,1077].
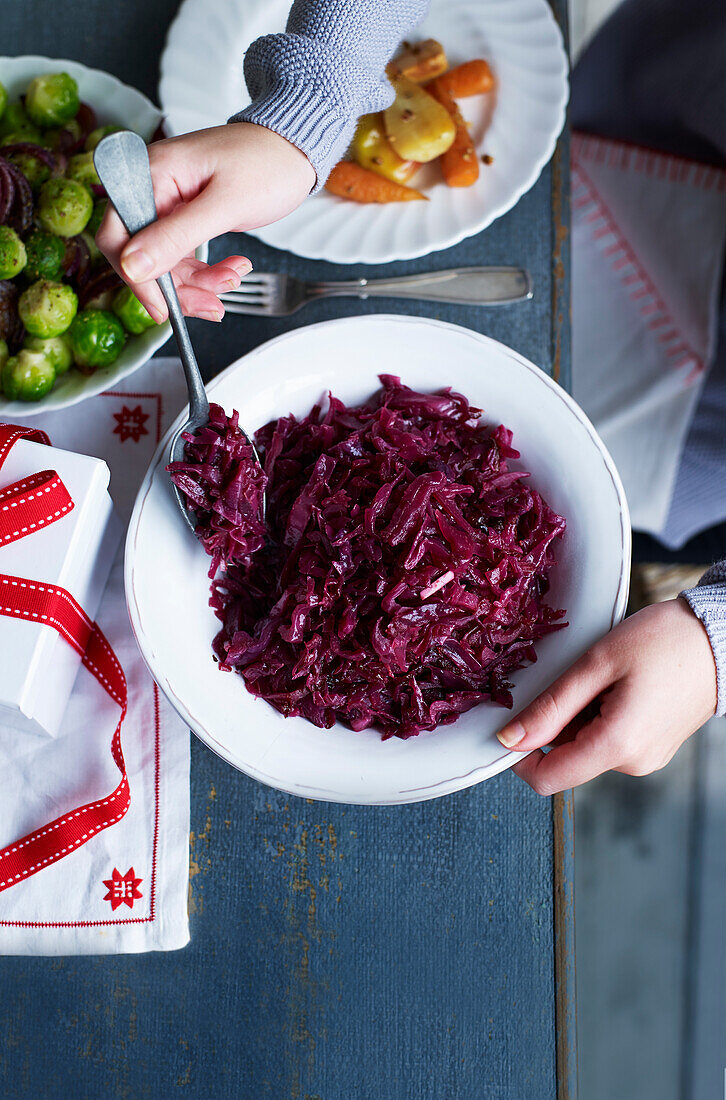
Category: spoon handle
[122,163]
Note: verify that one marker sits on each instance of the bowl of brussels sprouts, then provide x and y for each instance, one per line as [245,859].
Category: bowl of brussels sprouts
[69,327]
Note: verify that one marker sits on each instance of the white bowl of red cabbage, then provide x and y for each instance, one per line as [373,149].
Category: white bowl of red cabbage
[437,547]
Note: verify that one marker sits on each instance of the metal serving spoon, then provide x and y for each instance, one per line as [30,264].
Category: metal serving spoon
[122,163]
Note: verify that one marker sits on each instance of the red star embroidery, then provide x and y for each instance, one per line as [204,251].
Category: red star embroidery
[130,423]
[122,889]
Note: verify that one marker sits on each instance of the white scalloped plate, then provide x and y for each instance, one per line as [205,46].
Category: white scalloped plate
[116,103]
[518,125]
[167,588]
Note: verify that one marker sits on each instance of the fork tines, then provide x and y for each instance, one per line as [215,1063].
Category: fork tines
[254,281]
[252,295]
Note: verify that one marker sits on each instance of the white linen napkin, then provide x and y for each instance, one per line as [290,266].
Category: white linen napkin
[125,890]
[648,234]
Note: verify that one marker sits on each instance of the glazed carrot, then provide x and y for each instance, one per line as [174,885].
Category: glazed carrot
[459,164]
[350,181]
[471,78]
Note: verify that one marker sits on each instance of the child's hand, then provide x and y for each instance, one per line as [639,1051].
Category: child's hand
[652,683]
[233,177]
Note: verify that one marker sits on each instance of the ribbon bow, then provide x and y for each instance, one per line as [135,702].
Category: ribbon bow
[25,507]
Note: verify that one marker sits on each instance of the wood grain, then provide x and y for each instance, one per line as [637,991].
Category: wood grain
[563,812]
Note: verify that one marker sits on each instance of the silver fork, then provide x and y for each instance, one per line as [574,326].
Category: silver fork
[279,295]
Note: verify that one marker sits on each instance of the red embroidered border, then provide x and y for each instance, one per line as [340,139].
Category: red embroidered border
[622,256]
[640,158]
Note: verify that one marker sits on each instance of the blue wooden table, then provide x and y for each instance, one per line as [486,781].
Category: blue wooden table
[338,953]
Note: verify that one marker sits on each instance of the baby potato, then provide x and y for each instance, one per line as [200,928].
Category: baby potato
[420,61]
[372,150]
[417,126]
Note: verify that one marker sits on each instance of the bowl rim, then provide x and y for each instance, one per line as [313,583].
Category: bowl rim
[449,784]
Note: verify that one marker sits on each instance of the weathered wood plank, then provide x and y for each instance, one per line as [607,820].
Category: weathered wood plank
[563,809]
[632,885]
[705,1025]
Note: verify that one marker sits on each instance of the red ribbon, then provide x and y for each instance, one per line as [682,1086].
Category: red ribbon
[26,506]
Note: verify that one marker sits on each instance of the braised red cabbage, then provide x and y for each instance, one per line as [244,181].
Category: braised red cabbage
[402,572]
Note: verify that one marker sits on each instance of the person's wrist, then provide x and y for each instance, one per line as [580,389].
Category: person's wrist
[694,639]
[286,156]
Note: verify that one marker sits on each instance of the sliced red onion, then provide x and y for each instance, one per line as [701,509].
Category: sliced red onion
[99,284]
[19,215]
[86,119]
[7,191]
[77,260]
[11,327]
[84,264]
[68,142]
[47,156]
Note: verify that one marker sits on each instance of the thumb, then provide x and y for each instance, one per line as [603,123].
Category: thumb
[160,246]
[548,714]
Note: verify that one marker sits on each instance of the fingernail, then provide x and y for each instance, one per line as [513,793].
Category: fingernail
[231,284]
[137,264]
[512,734]
[210,316]
[157,315]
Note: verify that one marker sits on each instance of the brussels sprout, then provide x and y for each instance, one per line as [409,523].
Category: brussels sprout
[33,168]
[28,376]
[4,353]
[28,133]
[97,338]
[56,349]
[94,222]
[16,126]
[81,168]
[98,135]
[45,254]
[131,312]
[52,99]
[12,253]
[3,99]
[47,309]
[64,207]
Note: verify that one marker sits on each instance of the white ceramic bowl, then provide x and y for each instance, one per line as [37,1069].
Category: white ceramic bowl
[518,124]
[167,588]
[121,105]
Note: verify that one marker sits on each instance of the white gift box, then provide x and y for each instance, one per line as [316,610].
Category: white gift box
[37,666]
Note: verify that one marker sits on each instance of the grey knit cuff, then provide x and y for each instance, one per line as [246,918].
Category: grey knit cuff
[708,603]
[315,126]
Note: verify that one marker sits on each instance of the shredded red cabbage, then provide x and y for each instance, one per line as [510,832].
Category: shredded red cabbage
[223,485]
[400,577]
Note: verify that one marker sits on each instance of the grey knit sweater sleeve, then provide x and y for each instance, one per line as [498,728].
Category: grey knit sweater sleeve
[313,82]
[708,602]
